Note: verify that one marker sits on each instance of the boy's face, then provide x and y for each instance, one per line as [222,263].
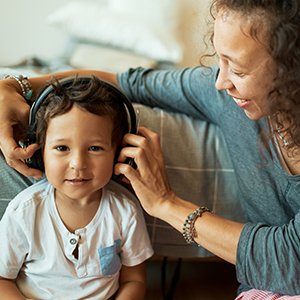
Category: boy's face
[78,154]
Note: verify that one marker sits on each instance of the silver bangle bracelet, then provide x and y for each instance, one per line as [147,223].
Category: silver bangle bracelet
[188,231]
[25,85]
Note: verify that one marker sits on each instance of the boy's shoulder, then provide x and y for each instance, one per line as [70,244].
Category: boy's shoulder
[119,189]
[29,196]
[121,194]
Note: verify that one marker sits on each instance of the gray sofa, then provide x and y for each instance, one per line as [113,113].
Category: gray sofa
[199,169]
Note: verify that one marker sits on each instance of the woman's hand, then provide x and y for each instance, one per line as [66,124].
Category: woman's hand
[149,179]
[13,123]
[150,183]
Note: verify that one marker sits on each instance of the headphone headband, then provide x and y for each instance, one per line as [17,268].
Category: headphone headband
[68,81]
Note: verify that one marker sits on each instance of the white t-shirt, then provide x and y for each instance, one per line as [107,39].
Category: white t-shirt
[36,248]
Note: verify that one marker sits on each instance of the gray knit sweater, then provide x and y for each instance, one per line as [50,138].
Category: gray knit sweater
[268,256]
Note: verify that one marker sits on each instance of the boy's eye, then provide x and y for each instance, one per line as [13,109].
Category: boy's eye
[95,148]
[61,148]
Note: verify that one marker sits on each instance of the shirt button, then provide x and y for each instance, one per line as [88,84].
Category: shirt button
[73,241]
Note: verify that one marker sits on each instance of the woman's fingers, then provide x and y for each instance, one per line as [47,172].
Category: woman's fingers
[149,179]
[147,143]
[16,156]
[13,122]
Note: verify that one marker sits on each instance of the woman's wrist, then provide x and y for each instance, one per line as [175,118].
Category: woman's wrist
[174,211]
[24,86]
[164,205]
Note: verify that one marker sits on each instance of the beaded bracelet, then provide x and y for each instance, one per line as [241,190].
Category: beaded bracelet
[25,85]
[188,231]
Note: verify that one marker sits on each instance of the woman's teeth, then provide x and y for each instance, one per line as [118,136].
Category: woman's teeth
[240,100]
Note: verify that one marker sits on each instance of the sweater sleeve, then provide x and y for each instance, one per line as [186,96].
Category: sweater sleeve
[269,257]
[189,90]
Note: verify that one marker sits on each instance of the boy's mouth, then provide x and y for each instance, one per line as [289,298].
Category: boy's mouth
[77,180]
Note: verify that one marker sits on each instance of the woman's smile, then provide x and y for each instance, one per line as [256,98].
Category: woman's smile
[242,103]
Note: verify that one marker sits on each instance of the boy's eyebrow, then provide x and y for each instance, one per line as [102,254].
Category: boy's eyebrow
[57,140]
[64,140]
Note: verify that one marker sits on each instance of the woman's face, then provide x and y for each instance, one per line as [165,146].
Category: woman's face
[245,66]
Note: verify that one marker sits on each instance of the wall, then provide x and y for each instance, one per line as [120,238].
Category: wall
[24,32]
[194,27]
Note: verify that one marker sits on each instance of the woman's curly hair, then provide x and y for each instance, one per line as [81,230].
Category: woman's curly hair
[280,23]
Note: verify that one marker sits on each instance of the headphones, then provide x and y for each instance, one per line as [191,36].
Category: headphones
[36,161]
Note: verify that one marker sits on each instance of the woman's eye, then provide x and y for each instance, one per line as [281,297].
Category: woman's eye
[239,74]
[61,148]
[95,148]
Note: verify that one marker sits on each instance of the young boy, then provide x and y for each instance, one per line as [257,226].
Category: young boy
[74,235]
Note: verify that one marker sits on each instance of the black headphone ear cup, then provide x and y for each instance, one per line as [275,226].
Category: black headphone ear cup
[36,161]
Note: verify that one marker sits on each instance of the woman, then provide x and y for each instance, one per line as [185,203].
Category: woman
[254,97]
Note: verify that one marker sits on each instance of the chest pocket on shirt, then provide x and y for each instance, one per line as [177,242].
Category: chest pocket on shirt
[109,258]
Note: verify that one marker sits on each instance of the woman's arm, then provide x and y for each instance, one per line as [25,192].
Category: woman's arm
[38,82]
[14,116]
[218,235]
[9,290]
[150,183]
[132,283]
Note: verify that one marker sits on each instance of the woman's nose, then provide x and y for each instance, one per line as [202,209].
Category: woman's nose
[223,81]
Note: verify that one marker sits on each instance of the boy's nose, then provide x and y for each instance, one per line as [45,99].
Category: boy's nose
[78,161]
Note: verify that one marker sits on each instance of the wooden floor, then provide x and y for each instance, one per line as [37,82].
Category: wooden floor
[212,280]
